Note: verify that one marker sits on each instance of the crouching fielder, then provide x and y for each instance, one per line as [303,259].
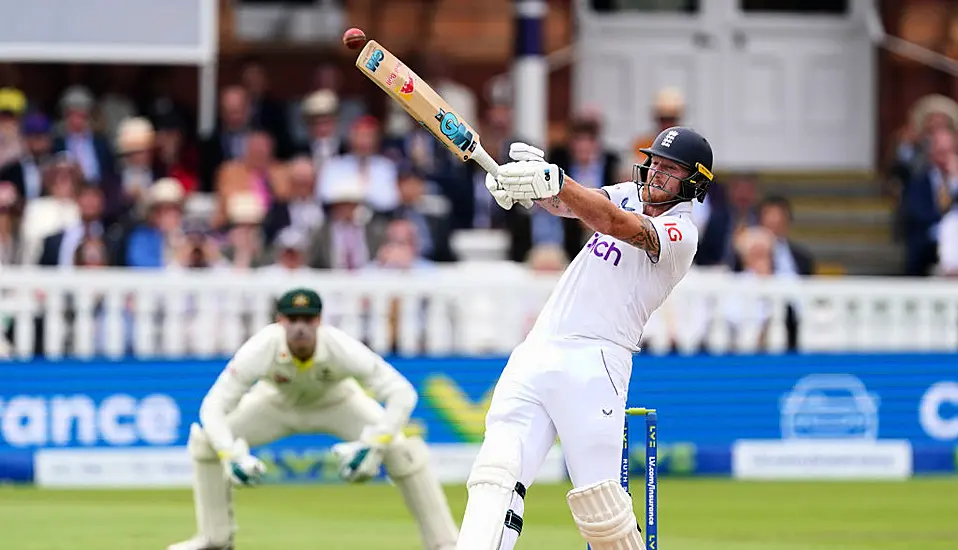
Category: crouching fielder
[570,377]
[298,376]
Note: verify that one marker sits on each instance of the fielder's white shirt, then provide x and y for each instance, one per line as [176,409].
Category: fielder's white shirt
[611,288]
[265,361]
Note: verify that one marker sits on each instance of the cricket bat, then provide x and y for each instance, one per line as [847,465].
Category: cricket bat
[423,104]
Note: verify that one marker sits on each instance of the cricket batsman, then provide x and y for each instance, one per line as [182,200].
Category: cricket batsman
[570,377]
[299,376]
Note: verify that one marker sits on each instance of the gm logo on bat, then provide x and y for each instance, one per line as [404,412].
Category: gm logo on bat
[456,132]
[374,60]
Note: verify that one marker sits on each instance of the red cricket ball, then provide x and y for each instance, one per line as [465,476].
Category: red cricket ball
[354,38]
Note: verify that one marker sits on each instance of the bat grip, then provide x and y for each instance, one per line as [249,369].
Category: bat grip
[483,159]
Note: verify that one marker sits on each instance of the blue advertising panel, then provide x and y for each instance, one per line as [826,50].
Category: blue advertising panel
[705,404]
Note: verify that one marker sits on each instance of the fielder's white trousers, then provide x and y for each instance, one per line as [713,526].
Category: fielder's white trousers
[262,416]
[576,390]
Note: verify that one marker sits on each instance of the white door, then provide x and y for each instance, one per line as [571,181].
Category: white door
[771,90]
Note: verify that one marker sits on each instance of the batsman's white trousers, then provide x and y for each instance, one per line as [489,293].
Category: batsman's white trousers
[576,389]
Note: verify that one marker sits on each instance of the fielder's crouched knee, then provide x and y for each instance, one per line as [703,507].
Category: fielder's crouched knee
[199,445]
[405,457]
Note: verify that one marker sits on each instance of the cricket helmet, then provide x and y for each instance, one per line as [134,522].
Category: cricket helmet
[300,301]
[687,148]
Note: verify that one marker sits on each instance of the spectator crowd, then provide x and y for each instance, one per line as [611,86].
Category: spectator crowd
[320,183]
[316,183]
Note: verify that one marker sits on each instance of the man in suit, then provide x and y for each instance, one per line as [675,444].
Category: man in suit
[265,110]
[428,214]
[352,234]
[24,172]
[320,111]
[301,210]
[789,259]
[90,149]
[228,140]
[925,199]
[60,248]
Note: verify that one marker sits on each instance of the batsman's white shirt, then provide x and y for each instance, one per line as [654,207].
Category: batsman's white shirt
[611,288]
[570,376]
[264,368]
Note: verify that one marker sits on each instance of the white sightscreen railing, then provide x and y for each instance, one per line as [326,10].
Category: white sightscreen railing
[460,310]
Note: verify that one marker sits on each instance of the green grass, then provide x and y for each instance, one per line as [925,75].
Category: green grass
[695,514]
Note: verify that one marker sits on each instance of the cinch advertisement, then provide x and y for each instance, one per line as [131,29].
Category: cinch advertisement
[717,414]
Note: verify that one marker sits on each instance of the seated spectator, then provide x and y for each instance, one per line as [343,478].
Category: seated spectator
[90,149]
[352,233]
[53,212]
[301,209]
[329,77]
[174,156]
[9,237]
[375,173]
[153,243]
[256,172]
[199,249]
[134,150]
[430,215]
[12,106]
[228,141]
[789,257]
[749,318]
[265,111]
[732,207]
[60,248]
[289,251]
[400,248]
[911,154]
[926,198]
[245,248]
[24,171]
[323,141]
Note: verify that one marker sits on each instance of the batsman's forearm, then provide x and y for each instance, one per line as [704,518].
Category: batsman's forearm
[593,208]
[555,206]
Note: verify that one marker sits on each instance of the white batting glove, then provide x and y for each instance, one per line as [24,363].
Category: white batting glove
[530,179]
[517,151]
[502,197]
[523,151]
[241,467]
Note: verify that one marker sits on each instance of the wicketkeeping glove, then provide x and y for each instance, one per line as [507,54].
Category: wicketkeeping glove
[530,179]
[359,461]
[241,467]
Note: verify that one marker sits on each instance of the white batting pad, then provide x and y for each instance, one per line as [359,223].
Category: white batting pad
[603,513]
[407,463]
[491,483]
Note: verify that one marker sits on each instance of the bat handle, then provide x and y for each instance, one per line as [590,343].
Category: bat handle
[482,158]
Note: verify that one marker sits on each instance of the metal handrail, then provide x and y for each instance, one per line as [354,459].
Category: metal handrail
[900,46]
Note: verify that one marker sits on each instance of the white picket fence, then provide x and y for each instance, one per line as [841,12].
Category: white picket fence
[460,310]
